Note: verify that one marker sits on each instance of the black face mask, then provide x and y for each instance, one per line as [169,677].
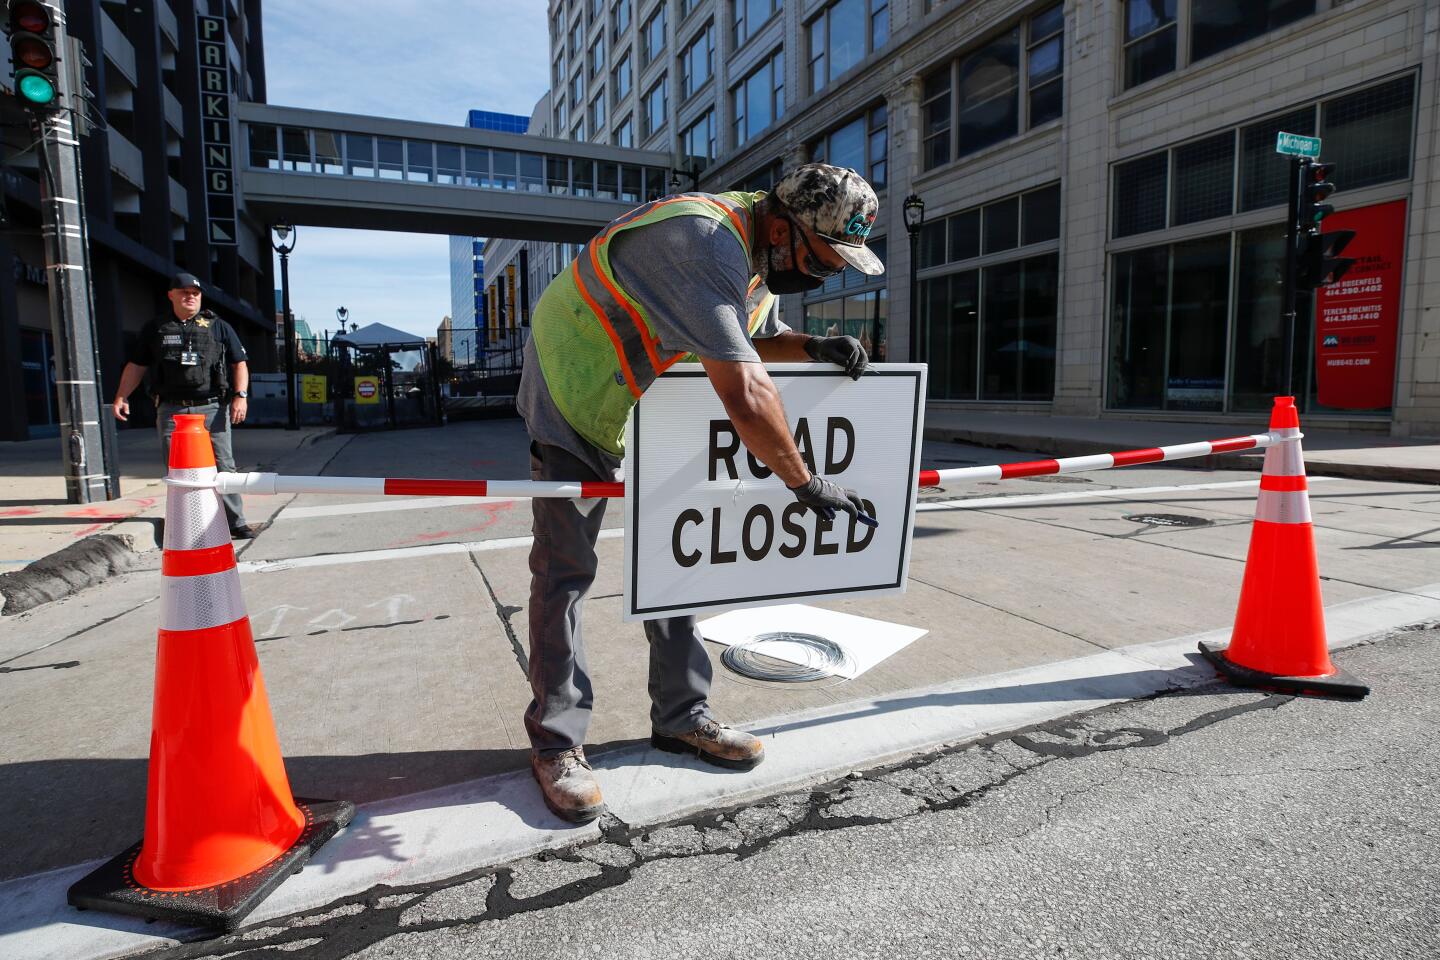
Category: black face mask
[793,280]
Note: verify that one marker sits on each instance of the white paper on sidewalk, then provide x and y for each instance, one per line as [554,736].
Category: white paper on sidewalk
[864,641]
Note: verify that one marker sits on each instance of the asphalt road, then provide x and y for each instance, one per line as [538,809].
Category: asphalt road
[1213,823]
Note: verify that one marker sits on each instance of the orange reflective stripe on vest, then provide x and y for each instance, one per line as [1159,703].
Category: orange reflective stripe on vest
[635,347]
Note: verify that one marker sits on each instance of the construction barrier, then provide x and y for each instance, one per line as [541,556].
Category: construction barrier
[222,829]
[269,484]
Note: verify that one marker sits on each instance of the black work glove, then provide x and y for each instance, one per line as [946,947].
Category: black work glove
[844,352]
[825,497]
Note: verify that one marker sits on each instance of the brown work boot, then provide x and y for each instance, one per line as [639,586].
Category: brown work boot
[714,743]
[568,786]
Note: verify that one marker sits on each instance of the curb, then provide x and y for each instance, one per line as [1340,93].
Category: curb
[1062,447]
[74,568]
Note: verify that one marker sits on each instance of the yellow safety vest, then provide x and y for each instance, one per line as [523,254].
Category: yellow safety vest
[596,345]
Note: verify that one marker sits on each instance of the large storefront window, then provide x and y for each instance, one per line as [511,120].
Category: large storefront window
[1257,364]
[1196,324]
[989,334]
[1168,319]
[852,304]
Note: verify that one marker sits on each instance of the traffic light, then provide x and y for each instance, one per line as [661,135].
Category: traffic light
[1318,259]
[1315,188]
[33,59]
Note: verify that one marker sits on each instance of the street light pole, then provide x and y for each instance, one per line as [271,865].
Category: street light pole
[283,233]
[914,209]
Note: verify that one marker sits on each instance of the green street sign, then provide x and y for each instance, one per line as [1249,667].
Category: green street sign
[1294,145]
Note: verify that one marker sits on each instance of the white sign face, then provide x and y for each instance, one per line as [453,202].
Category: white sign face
[708,527]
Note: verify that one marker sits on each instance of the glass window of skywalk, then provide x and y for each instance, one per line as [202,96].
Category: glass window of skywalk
[298,150]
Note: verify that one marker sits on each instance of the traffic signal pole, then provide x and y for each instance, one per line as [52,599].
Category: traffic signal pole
[87,439]
[1288,284]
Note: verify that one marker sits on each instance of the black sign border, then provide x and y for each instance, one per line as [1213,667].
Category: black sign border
[634,446]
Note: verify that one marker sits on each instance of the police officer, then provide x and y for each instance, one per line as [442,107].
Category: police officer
[199,366]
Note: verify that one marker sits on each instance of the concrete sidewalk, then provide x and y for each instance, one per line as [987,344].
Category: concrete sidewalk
[79,544]
[1334,453]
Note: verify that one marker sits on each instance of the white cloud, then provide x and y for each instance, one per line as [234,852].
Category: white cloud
[431,61]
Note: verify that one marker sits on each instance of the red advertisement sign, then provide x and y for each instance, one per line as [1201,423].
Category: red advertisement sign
[1357,319]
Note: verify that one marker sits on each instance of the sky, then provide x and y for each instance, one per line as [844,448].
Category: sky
[430,61]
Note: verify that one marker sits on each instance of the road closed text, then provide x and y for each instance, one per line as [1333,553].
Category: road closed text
[791,531]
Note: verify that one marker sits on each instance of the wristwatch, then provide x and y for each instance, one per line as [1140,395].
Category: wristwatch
[241,394]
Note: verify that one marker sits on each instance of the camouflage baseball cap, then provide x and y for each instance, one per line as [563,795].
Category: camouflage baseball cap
[838,205]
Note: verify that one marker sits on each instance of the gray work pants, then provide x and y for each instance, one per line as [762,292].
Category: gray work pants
[562,567]
[217,421]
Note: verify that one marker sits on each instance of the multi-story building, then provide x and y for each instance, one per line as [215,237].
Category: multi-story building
[467,260]
[444,339]
[144,170]
[1104,207]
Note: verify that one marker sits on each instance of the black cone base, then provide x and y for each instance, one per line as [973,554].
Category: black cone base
[113,887]
[1338,686]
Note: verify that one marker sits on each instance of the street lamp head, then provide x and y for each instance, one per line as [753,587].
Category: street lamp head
[914,209]
[340,314]
[283,231]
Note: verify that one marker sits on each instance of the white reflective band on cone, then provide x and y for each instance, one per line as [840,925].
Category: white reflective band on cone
[194,519]
[198,603]
[1285,460]
[1283,506]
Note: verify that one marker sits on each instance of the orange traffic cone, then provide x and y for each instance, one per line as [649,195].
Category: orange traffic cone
[221,827]
[1279,638]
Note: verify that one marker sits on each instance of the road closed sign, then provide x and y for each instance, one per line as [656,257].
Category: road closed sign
[708,527]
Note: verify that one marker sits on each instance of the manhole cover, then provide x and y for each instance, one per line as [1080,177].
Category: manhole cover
[1059,478]
[1168,520]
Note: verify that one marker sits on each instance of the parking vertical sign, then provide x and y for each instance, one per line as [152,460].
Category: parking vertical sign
[215,133]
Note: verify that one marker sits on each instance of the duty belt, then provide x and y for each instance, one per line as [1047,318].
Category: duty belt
[189,401]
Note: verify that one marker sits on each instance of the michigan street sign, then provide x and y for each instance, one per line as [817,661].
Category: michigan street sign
[1294,145]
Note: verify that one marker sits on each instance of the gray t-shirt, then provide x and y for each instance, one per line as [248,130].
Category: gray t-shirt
[692,278]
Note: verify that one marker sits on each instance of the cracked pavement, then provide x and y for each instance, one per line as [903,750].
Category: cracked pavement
[1200,824]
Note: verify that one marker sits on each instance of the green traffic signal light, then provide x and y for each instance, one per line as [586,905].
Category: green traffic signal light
[33,55]
[34,88]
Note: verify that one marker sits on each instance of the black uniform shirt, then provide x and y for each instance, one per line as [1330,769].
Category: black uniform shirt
[147,349]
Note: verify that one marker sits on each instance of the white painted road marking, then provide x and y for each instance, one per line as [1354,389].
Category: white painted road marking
[978,502]
[401,553]
[385,506]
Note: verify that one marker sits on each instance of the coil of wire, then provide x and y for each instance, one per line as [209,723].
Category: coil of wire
[758,659]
